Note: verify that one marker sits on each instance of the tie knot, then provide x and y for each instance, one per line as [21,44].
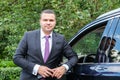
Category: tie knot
[47,37]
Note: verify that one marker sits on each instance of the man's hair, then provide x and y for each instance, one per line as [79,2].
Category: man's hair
[49,11]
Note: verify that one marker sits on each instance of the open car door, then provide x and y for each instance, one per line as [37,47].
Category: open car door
[101,60]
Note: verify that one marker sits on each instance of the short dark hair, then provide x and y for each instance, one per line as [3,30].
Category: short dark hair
[49,11]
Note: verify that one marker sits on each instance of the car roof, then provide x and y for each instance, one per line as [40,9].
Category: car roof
[109,13]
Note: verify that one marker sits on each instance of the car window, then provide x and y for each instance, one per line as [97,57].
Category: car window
[89,43]
[114,51]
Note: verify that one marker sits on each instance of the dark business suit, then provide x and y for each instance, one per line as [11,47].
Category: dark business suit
[29,53]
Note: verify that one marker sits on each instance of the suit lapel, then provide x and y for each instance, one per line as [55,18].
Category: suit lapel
[38,44]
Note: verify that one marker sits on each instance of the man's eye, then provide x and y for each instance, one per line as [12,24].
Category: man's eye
[51,20]
[45,20]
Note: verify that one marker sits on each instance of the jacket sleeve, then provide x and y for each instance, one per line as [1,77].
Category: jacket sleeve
[69,54]
[20,55]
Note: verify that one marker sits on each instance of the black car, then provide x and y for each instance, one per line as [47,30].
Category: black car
[98,47]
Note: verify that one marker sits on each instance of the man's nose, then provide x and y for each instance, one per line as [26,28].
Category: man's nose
[48,22]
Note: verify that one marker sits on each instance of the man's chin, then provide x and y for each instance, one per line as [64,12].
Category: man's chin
[49,30]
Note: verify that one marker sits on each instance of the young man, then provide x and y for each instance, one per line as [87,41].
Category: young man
[34,47]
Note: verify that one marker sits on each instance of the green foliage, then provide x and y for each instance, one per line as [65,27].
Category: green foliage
[10,73]
[19,16]
[7,64]
[88,44]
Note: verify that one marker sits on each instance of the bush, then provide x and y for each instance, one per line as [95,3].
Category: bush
[10,73]
[7,64]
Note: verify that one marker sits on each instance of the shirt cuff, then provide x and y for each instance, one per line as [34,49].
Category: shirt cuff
[66,66]
[35,69]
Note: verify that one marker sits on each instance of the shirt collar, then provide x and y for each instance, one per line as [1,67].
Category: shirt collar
[43,35]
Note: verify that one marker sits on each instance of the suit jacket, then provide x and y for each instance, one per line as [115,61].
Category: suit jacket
[29,53]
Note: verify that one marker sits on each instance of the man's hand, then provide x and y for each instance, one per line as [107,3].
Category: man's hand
[45,71]
[58,72]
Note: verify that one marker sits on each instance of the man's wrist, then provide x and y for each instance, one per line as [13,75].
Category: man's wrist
[66,67]
[35,69]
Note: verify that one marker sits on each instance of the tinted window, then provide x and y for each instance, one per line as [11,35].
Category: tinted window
[115,43]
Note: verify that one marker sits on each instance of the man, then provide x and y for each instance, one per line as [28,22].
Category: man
[31,51]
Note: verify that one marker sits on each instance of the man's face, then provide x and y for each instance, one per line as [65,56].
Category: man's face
[47,22]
